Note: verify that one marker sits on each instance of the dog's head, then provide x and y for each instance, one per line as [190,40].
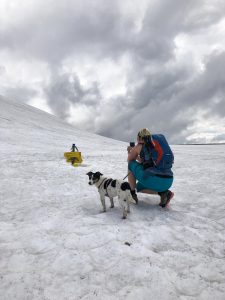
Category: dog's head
[94,177]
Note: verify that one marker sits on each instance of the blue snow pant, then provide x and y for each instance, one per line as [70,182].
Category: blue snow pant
[148,181]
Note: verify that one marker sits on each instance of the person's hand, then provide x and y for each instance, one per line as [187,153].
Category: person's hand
[129,148]
[139,159]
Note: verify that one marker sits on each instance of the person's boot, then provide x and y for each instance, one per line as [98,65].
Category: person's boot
[162,197]
[165,198]
[134,196]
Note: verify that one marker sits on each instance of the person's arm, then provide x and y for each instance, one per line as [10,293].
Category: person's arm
[133,152]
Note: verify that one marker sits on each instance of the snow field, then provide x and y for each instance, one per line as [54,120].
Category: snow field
[56,244]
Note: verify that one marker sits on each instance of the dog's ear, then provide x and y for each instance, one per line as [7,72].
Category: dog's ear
[89,173]
[98,174]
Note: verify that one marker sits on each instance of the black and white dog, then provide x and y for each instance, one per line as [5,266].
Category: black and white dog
[108,187]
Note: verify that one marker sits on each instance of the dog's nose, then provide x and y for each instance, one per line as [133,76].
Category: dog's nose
[89,183]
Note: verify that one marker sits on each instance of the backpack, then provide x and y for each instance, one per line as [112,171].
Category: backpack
[149,156]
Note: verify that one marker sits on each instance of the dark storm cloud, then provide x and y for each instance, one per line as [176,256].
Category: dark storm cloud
[168,94]
[164,20]
[168,103]
[66,89]
[52,31]
[208,89]
[160,86]
[173,101]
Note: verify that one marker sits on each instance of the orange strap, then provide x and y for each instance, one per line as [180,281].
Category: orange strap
[159,149]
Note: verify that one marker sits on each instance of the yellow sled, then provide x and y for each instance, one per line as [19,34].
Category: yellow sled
[74,158]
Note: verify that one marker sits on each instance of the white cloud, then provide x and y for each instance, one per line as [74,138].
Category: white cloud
[40,103]
[110,74]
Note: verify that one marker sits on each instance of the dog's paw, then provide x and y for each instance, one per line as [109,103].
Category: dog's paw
[103,211]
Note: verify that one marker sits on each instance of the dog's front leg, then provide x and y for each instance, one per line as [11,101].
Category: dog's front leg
[102,197]
[112,203]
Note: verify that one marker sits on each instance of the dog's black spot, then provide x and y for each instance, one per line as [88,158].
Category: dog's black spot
[107,183]
[124,200]
[113,183]
[125,186]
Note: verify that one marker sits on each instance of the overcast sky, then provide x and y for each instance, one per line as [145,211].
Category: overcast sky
[112,67]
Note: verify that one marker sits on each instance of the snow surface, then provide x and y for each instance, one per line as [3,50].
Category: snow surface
[55,243]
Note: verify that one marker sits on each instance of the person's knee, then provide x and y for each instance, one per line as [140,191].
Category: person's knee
[140,187]
[131,174]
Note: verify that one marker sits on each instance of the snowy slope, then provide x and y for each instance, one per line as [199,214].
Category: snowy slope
[55,243]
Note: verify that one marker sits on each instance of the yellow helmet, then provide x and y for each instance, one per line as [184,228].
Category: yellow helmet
[144,132]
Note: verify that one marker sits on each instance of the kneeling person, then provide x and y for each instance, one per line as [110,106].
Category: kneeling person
[150,162]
